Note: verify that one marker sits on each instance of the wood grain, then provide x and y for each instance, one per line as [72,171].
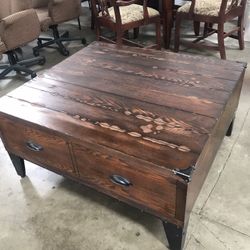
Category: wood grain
[131,112]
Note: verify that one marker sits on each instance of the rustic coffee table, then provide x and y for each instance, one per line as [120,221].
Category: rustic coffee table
[139,125]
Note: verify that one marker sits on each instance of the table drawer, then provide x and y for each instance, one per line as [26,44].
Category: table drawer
[40,147]
[128,179]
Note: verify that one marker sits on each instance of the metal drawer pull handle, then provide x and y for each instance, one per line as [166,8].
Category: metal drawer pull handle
[33,146]
[117,179]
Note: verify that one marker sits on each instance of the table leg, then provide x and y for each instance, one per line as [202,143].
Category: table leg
[174,235]
[230,129]
[18,163]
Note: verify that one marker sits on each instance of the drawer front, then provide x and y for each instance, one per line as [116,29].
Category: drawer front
[128,179]
[42,148]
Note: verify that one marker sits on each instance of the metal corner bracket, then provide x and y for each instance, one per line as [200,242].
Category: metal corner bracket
[185,174]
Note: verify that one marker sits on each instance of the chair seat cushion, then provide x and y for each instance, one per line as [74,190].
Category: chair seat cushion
[204,7]
[44,18]
[2,47]
[132,13]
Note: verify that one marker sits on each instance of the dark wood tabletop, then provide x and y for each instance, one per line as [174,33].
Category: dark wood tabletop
[152,110]
[157,106]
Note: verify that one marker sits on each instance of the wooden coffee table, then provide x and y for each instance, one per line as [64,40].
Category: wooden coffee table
[139,125]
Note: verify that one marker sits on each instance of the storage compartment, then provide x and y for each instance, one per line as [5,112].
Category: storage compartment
[127,178]
[38,146]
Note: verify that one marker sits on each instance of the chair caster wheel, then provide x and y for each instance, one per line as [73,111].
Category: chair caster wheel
[65,52]
[42,61]
[35,52]
[66,34]
[33,75]
[83,41]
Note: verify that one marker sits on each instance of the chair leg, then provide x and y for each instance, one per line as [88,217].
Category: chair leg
[98,32]
[136,32]
[196,28]
[23,69]
[119,36]
[6,71]
[158,34]
[221,40]
[177,33]
[20,66]
[58,40]
[79,23]
[207,28]
[92,18]
[241,32]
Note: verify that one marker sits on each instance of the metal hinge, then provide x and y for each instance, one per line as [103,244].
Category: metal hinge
[185,174]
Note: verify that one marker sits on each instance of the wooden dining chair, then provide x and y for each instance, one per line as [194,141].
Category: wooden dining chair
[176,5]
[213,12]
[120,16]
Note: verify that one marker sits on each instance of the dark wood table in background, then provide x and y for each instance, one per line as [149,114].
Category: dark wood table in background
[139,125]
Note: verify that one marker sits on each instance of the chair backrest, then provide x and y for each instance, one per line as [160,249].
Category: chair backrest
[39,3]
[9,7]
[17,5]
[225,5]
[5,9]
[100,6]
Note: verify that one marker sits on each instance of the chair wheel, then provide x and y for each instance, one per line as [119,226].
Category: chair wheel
[83,41]
[35,52]
[42,61]
[33,75]
[65,52]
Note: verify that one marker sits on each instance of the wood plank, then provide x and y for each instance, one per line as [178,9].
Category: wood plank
[121,103]
[166,55]
[144,78]
[119,86]
[127,115]
[158,65]
[160,153]
[184,78]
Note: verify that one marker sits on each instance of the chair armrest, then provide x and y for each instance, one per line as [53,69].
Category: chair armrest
[125,3]
[191,10]
[19,28]
[64,10]
[223,7]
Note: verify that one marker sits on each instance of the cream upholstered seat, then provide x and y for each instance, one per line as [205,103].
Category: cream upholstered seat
[131,13]
[205,7]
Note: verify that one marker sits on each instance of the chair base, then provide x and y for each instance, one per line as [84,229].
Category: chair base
[57,40]
[235,33]
[20,66]
[122,37]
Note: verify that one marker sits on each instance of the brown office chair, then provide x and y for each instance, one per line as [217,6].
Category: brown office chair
[120,16]
[213,12]
[16,30]
[50,14]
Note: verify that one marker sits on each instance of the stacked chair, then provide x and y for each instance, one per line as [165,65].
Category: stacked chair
[51,13]
[17,28]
